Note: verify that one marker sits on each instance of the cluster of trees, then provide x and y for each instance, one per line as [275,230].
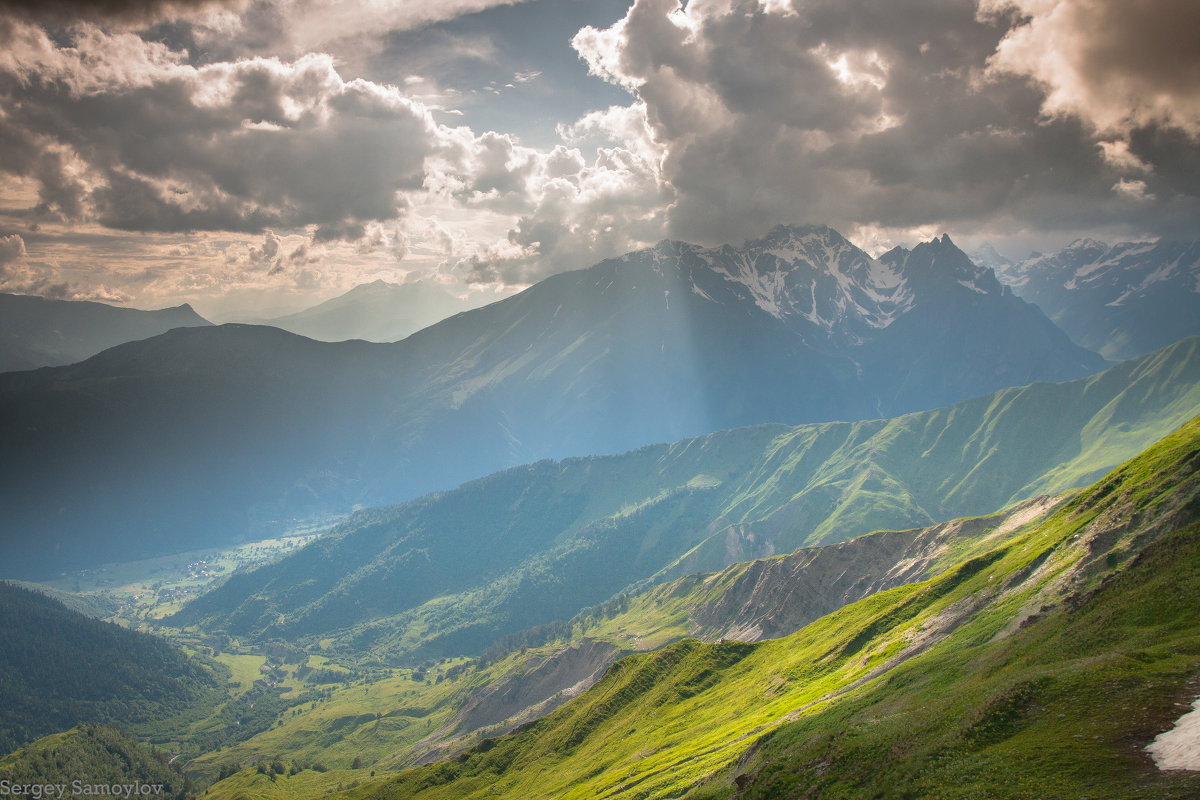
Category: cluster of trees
[247,715]
[273,768]
[59,668]
[95,754]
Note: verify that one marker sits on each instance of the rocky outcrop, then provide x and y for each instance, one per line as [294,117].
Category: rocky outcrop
[778,596]
[533,689]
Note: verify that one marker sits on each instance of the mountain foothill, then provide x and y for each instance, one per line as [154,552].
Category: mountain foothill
[770,520]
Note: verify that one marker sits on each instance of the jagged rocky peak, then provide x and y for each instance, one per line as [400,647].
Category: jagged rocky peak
[809,273]
[814,280]
[986,255]
[940,262]
[1087,245]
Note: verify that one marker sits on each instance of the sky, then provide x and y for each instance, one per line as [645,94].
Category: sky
[253,157]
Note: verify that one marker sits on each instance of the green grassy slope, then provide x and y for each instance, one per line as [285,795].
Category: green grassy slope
[399,720]
[1062,707]
[369,720]
[93,756]
[450,573]
[1040,668]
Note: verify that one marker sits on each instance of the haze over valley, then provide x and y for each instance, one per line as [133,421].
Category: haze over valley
[622,398]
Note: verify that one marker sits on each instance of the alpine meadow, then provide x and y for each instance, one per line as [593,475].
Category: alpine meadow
[627,399]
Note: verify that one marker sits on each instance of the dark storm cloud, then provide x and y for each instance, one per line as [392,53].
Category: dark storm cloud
[120,130]
[855,112]
[121,11]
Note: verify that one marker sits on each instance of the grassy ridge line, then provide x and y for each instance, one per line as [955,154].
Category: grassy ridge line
[660,723]
[486,701]
[536,543]
[963,459]
[1062,706]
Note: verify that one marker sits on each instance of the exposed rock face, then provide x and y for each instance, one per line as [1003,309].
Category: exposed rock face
[573,668]
[778,596]
[533,691]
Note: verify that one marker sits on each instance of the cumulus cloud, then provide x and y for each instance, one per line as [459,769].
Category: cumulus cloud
[1132,190]
[378,238]
[275,257]
[881,116]
[1118,154]
[19,276]
[1117,64]
[574,210]
[123,131]
[12,248]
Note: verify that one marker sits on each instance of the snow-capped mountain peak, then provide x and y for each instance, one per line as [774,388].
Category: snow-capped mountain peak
[807,273]
[1122,300]
[815,281]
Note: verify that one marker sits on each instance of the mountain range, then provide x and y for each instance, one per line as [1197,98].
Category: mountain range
[205,435]
[778,609]
[375,312]
[42,332]
[453,572]
[1121,300]
[1046,651]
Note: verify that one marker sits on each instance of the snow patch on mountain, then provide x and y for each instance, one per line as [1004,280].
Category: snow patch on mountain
[813,274]
[1122,300]
[1163,273]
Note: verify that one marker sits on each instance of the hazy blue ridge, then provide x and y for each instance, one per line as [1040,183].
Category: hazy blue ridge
[210,435]
[42,332]
[1121,300]
[453,571]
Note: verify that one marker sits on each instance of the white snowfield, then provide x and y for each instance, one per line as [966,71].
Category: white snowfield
[1179,748]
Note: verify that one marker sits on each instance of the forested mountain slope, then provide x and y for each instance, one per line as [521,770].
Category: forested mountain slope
[59,668]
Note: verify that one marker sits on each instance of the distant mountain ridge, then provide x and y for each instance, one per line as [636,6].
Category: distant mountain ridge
[454,571]
[41,332]
[375,312]
[1121,300]
[1042,664]
[201,435]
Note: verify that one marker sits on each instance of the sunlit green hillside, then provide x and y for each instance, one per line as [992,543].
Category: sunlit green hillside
[451,573]
[1042,667]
